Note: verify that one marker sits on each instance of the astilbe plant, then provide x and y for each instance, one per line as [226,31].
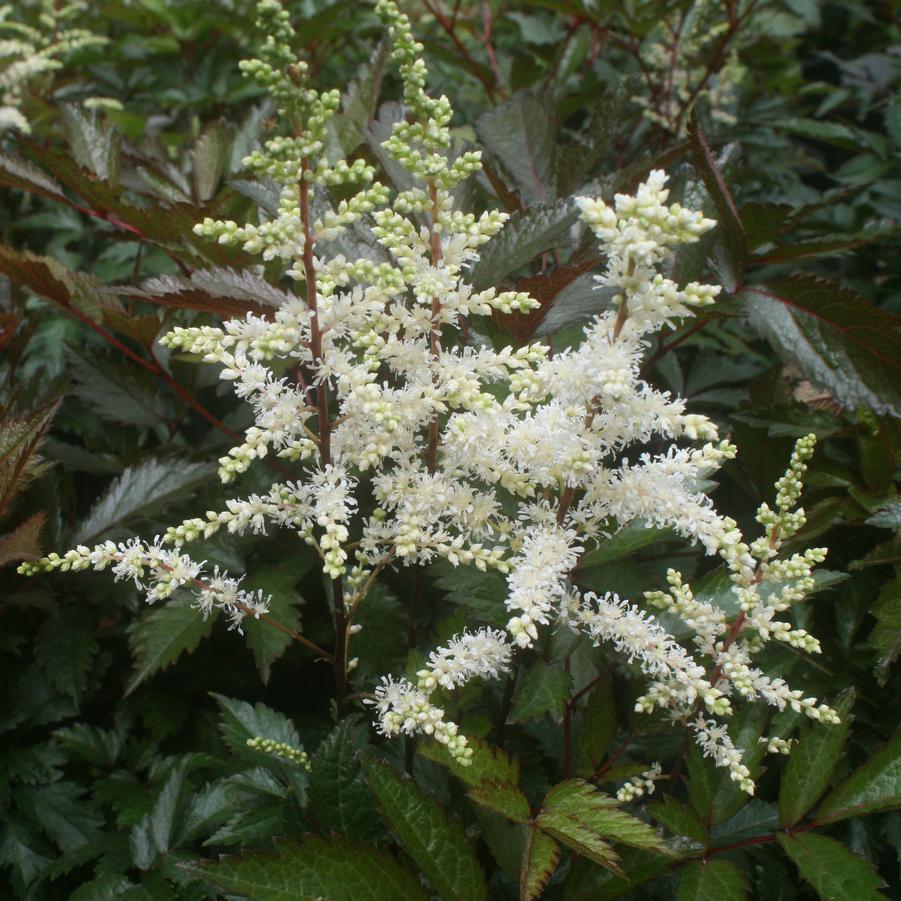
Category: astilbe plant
[411,445]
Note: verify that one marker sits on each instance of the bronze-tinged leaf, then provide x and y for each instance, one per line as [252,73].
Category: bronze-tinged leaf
[24,542]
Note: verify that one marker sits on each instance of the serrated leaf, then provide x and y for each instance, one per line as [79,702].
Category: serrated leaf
[712,880]
[242,721]
[65,815]
[23,852]
[729,224]
[525,235]
[155,484]
[886,634]
[65,648]
[338,793]
[48,277]
[520,134]
[24,541]
[754,819]
[94,144]
[502,798]
[875,786]
[630,538]
[21,437]
[226,292]
[99,747]
[115,389]
[381,646]
[359,101]
[542,689]
[598,726]
[159,830]
[162,635]
[679,818]
[17,172]
[337,870]
[210,155]
[539,862]
[835,872]
[437,844]
[248,135]
[575,805]
[812,762]
[267,643]
[487,764]
[836,337]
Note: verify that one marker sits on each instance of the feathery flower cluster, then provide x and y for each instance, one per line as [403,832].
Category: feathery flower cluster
[27,51]
[409,448]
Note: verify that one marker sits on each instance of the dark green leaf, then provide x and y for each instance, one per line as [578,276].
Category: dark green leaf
[835,873]
[712,880]
[156,484]
[502,798]
[540,861]
[159,830]
[679,818]
[812,763]
[520,133]
[337,870]
[65,648]
[598,726]
[437,844]
[542,689]
[525,235]
[162,635]
[338,792]
[875,786]
[840,340]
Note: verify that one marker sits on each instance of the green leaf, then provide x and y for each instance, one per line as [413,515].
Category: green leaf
[266,642]
[359,101]
[754,819]
[116,389]
[159,830]
[886,634]
[381,646]
[483,593]
[598,726]
[812,763]
[242,721]
[839,339]
[23,852]
[437,844]
[875,786]
[633,536]
[94,144]
[65,649]
[835,873]
[336,870]
[210,158]
[679,818]
[729,224]
[162,635]
[487,764]
[520,133]
[502,798]
[338,792]
[712,880]
[65,815]
[585,819]
[542,689]
[525,235]
[540,860]
[156,484]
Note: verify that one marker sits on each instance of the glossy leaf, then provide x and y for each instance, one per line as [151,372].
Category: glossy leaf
[712,880]
[541,857]
[875,786]
[162,634]
[437,844]
[336,869]
[811,763]
[840,340]
[542,689]
[835,872]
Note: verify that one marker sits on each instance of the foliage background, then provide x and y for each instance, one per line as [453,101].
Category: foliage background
[123,758]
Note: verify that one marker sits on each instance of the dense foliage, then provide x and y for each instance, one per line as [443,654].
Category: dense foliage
[148,752]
